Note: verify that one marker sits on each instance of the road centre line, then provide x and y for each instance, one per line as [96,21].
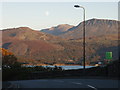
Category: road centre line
[76,83]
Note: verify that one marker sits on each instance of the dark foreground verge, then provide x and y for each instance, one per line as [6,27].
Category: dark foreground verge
[107,72]
[26,73]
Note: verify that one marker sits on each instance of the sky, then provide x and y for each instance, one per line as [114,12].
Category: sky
[42,15]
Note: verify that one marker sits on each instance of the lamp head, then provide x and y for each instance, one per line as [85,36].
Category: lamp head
[77,6]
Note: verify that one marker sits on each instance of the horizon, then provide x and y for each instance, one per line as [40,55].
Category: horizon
[54,26]
[43,15]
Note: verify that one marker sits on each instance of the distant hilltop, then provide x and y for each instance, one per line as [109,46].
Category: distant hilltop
[58,30]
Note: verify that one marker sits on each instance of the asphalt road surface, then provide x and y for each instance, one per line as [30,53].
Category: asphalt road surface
[66,83]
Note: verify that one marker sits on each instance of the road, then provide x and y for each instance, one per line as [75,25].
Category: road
[66,83]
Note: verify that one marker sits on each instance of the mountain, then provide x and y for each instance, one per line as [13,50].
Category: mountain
[29,44]
[58,30]
[38,47]
[94,28]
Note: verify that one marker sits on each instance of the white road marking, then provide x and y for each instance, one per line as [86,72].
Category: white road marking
[92,87]
[77,83]
[10,86]
[14,86]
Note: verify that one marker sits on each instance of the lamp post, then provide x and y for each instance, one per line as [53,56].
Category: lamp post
[77,6]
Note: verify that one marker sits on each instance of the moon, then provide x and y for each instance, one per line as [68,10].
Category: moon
[47,13]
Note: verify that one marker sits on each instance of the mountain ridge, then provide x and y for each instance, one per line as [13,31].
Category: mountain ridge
[94,27]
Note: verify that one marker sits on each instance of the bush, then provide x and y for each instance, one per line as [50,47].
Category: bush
[57,68]
[9,60]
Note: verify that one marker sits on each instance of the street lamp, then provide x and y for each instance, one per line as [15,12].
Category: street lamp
[77,6]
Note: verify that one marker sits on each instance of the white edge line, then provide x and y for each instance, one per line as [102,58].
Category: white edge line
[92,87]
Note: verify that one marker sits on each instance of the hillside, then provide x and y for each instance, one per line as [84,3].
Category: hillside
[58,30]
[28,44]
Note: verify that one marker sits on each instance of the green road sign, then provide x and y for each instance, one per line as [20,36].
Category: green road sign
[108,55]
